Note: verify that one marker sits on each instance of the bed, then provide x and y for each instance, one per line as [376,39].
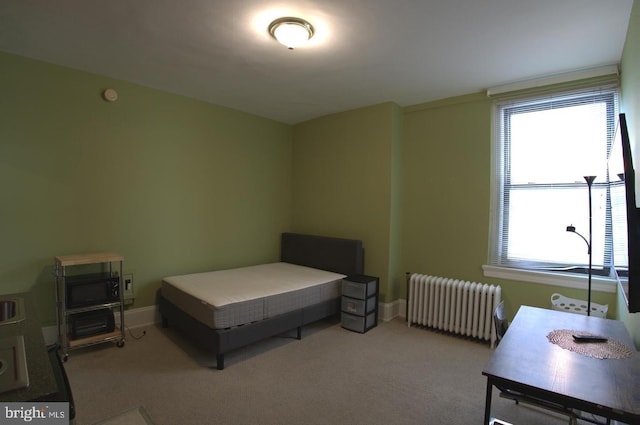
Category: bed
[227,309]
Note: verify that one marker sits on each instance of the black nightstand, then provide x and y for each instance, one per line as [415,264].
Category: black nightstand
[360,302]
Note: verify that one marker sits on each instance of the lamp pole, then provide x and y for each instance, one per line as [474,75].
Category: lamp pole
[572,229]
[589,180]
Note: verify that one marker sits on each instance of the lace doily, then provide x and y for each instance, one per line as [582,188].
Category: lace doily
[611,349]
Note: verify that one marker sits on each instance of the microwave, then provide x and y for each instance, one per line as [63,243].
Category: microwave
[92,289]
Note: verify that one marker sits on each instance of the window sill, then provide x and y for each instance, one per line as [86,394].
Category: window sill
[564,280]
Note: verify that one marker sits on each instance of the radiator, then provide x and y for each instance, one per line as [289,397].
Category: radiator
[456,306]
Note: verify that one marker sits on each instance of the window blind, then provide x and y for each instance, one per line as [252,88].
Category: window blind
[545,143]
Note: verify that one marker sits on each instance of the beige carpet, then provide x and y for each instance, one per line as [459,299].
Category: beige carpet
[137,416]
[391,375]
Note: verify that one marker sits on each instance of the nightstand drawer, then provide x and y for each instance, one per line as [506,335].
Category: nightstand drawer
[361,287]
[357,306]
[358,323]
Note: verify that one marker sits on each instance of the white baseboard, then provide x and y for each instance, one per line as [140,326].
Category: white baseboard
[145,316]
[389,311]
[133,318]
[50,334]
[139,317]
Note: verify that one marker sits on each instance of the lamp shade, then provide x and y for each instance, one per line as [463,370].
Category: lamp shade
[291,32]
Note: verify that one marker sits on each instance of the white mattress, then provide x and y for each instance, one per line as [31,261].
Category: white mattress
[227,298]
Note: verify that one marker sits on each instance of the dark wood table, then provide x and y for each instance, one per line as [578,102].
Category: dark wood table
[527,362]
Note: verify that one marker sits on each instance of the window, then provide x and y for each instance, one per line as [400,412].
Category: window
[544,148]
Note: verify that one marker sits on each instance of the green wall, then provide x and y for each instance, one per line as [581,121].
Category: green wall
[447,199]
[173,184]
[630,105]
[342,182]
[446,169]
[178,185]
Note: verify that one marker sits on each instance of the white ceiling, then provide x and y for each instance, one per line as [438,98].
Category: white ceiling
[364,51]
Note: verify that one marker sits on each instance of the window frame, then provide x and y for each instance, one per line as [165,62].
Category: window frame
[517,103]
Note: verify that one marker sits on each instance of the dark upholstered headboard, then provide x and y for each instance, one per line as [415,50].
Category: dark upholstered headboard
[337,255]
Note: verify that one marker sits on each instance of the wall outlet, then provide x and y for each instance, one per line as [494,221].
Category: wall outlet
[127,281]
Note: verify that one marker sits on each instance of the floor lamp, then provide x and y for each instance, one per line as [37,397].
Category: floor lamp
[572,229]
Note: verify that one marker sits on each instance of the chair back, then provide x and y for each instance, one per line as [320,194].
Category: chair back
[500,320]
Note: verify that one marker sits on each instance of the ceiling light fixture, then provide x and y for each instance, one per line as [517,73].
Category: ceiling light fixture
[292,32]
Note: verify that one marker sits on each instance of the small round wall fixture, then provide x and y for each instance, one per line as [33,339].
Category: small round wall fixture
[291,32]
[110,95]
